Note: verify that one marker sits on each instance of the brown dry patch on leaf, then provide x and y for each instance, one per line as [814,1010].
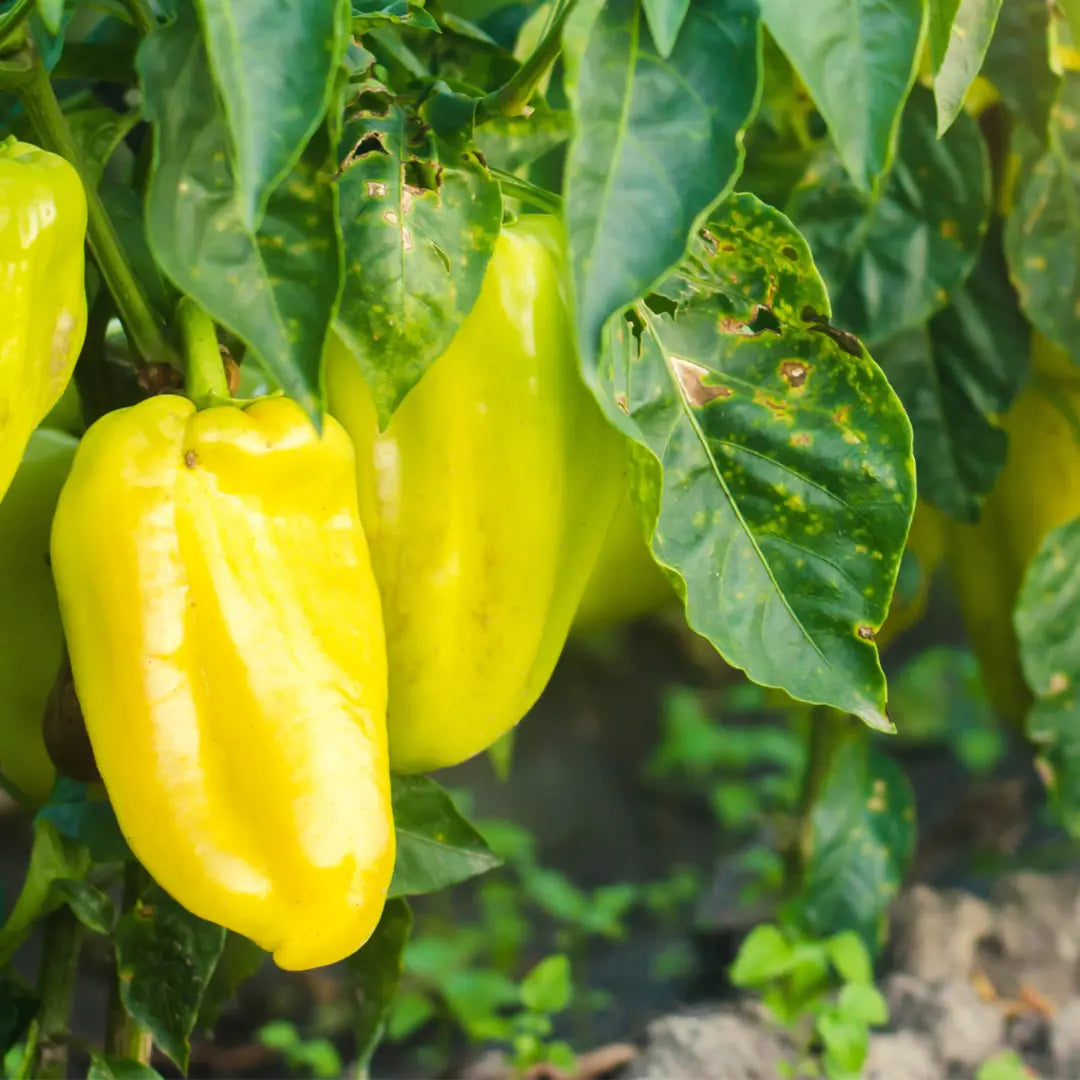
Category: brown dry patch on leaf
[794,373]
[691,378]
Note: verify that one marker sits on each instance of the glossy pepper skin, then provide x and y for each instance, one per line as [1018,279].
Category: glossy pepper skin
[626,583]
[1038,490]
[485,502]
[31,638]
[42,292]
[227,648]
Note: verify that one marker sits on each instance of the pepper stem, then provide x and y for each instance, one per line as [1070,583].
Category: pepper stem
[205,380]
[512,97]
[23,72]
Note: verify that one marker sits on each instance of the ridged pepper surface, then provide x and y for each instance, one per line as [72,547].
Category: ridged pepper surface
[31,639]
[485,502]
[227,649]
[42,291]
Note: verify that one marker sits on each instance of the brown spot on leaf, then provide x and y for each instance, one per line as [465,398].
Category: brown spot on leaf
[620,400]
[794,373]
[1059,682]
[191,459]
[865,632]
[376,189]
[790,253]
[710,241]
[691,379]
[801,438]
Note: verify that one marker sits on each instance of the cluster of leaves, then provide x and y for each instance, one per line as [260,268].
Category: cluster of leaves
[174,970]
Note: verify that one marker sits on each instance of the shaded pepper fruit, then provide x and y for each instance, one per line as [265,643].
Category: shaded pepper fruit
[485,502]
[43,317]
[923,554]
[225,638]
[1038,490]
[31,638]
[625,583]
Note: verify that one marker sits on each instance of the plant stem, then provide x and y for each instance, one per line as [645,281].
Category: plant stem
[205,380]
[13,17]
[821,725]
[142,16]
[45,1057]
[125,1037]
[512,97]
[527,192]
[26,74]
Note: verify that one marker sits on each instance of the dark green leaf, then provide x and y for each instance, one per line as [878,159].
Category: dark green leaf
[1018,62]
[369,13]
[98,132]
[968,42]
[942,14]
[665,19]
[1047,620]
[275,288]
[274,70]
[240,959]
[106,61]
[117,1068]
[436,846]
[656,142]
[90,905]
[511,142]
[86,820]
[374,973]
[1042,238]
[787,485]
[418,236]
[18,1006]
[955,378]
[165,957]
[858,60]
[892,261]
[52,857]
[862,838]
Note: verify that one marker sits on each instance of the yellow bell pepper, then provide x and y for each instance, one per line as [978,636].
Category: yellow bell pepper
[43,310]
[227,649]
[485,502]
[626,582]
[31,639]
[1038,490]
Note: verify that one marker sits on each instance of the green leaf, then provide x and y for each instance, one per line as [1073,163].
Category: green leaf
[51,13]
[942,15]
[18,1006]
[418,236]
[1042,238]
[955,377]
[436,846]
[969,39]
[274,77]
[656,142]
[369,13]
[374,973]
[549,986]
[858,59]
[890,262]
[93,908]
[846,1043]
[165,957]
[764,955]
[275,288]
[117,1068]
[1048,629]
[1071,9]
[513,142]
[665,19]
[787,483]
[864,1004]
[862,838]
[85,819]
[240,959]
[939,697]
[1005,1066]
[849,957]
[1018,62]
[52,858]
[98,131]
